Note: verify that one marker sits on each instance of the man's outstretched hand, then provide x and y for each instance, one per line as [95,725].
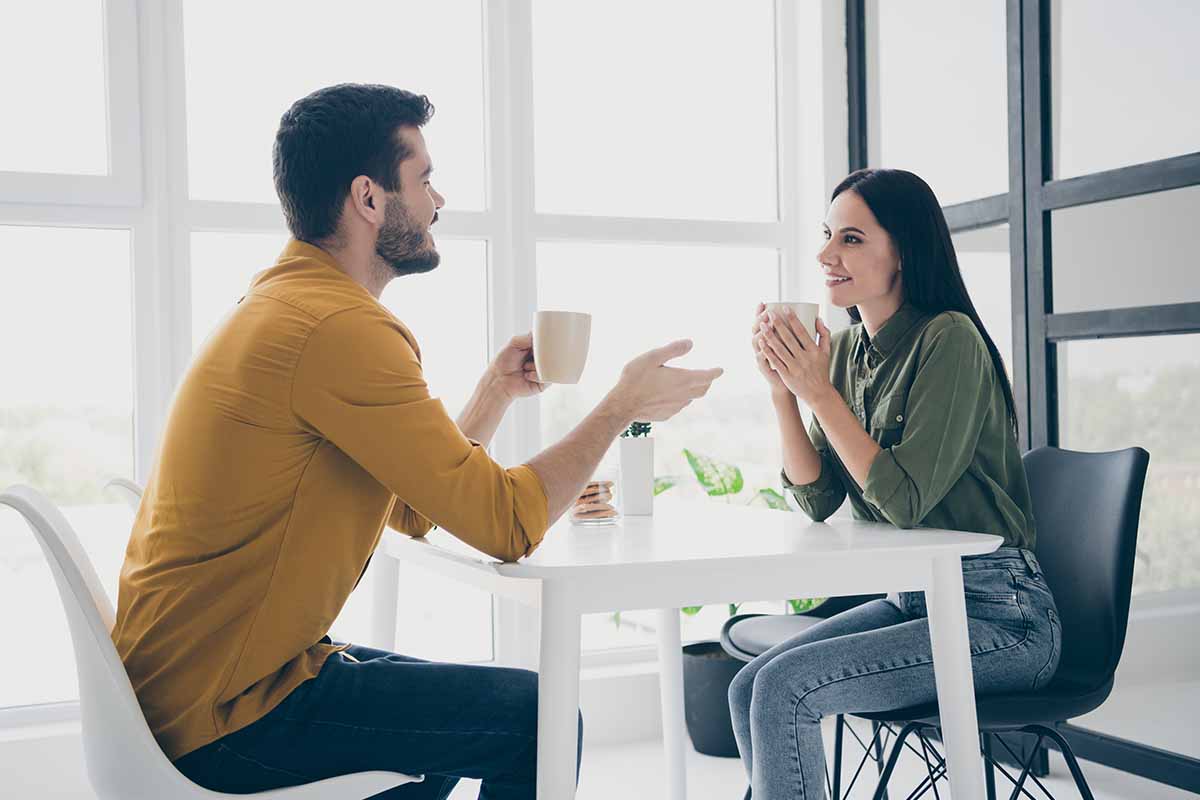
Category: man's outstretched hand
[512,372]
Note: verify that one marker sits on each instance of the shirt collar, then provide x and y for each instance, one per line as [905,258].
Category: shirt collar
[892,332]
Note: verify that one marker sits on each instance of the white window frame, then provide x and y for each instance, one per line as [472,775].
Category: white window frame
[146,192]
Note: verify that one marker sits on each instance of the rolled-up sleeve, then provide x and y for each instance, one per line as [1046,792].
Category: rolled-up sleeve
[945,409]
[359,384]
[825,495]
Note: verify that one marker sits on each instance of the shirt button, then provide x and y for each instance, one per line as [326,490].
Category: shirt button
[899,418]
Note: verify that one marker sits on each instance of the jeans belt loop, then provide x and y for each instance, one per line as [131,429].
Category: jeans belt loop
[1031,561]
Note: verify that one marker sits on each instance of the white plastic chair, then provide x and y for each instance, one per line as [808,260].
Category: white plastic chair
[124,762]
[128,490]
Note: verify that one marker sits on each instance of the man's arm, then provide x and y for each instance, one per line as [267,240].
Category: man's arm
[482,414]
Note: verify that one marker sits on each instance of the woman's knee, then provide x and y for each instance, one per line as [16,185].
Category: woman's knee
[741,690]
[779,689]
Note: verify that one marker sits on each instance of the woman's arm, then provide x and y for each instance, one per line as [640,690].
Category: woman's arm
[845,432]
[808,471]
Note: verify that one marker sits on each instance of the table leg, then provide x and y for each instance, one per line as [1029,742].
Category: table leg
[953,676]
[385,591]
[670,678]
[558,694]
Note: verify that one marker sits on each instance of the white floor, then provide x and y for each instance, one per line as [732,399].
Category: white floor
[634,771]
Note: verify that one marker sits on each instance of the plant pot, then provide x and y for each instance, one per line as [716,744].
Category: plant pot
[707,672]
[637,475]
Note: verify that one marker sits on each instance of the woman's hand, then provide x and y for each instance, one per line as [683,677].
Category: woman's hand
[801,365]
[778,389]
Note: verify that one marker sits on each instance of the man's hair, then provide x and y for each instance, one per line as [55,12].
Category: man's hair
[332,136]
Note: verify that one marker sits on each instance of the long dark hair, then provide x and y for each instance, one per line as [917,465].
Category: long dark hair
[907,209]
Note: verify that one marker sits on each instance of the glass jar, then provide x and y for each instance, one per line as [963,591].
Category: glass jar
[600,501]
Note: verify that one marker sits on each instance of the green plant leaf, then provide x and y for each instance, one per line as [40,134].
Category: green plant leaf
[717,478]
[800,606]
[661,484]
[691,611]
[733,608]
[771,498]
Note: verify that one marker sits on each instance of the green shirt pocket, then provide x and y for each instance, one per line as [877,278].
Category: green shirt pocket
[888,419]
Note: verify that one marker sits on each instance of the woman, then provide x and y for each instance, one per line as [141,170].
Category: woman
[913,418]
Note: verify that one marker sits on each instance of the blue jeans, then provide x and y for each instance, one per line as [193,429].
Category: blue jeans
[388,712]
[877,657]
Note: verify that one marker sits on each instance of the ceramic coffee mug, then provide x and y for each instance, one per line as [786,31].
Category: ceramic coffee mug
[806,312]
[560,345]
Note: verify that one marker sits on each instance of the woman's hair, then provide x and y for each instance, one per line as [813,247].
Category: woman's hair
[907,209]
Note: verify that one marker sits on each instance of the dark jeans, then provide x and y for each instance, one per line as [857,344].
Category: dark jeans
[388,712]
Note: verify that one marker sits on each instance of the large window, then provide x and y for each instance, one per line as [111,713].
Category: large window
[136,208]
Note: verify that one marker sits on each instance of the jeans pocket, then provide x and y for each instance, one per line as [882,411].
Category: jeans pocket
[1046,673]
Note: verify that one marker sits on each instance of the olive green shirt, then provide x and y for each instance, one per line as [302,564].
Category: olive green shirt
[926,390]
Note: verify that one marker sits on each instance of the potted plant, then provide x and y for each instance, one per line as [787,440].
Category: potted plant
[637,470]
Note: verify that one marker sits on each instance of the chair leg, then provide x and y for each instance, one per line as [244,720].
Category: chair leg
[989,767]
[838,734]
[877,743]
[1081,783]
[886,775]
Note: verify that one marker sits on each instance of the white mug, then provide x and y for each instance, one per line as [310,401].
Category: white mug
[560,345]
[807,313]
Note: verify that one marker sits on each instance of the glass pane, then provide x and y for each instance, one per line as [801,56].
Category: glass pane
[943,95]
[278,51]
[447,310]
[986,269]
[55,117]
[66,425]
[661,109]
[1127,72]
[1136,251]
[1144,392]
[223,265]
[707,294]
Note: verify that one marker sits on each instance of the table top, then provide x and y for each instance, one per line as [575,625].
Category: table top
[692,533]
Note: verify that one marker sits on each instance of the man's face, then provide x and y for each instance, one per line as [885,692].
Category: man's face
[405,244]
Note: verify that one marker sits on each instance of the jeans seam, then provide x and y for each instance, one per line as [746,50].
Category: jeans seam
[1049,659]
[221,746]
[371,729]
[796,739]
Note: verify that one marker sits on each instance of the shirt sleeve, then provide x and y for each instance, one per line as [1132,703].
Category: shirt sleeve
[359,384]
[825,495]
[407,521]
[945,409]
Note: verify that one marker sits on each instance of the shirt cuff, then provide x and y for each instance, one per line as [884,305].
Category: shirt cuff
[824,486]
[532,504]
[884,479]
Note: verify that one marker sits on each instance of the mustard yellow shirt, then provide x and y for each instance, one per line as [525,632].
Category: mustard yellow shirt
[302,427]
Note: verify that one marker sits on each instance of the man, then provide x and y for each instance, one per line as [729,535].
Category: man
[303,426]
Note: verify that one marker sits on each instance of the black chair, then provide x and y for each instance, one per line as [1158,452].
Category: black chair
[747,636]
[1086,506]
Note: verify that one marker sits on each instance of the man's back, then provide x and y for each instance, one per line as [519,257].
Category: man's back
[261,513]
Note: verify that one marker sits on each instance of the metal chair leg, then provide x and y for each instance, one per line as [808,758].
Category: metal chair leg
[877,742]
[838,734]
[989,768]
[886,775]
[1081,783]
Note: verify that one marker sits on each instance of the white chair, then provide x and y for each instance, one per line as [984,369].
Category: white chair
[128,490]
[124,762]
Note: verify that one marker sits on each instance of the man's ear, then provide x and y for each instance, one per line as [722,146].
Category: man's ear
[366,200]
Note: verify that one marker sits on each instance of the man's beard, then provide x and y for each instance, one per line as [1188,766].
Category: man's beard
[401,243]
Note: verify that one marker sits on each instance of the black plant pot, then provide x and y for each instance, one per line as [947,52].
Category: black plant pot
[707,673]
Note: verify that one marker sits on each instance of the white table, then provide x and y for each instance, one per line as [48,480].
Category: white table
[699,553]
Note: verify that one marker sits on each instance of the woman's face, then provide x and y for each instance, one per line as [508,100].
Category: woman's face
[859,259]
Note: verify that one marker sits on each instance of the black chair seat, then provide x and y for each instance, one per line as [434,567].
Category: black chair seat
[747,636]
[999,712]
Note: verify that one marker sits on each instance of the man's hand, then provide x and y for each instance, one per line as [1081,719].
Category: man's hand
[512,372]
[650,391]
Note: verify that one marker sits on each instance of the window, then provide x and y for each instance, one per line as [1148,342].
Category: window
[1143,392]
[278,52]
[1128,72]
[939,82]
[69,134]
[984,260]
[1136,251]
[66,424]
[661,109]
